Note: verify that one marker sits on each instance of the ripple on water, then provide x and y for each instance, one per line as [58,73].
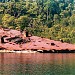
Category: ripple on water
[37,64]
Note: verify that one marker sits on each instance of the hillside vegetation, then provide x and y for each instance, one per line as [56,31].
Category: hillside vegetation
[54,19]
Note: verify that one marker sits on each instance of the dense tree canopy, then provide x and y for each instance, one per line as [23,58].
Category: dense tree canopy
[53,19]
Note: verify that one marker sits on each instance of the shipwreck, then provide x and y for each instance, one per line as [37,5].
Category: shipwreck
[15,40]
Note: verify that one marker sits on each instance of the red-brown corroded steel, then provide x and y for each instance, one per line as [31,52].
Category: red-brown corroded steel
[35,42]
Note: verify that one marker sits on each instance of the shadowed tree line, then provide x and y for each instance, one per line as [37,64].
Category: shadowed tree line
[54,19]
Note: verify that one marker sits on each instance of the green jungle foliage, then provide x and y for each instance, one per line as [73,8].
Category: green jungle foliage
[54,19]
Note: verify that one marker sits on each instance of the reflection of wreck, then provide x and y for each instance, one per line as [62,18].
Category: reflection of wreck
[17,41]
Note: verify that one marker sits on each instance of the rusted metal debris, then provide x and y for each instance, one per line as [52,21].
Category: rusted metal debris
[16,40]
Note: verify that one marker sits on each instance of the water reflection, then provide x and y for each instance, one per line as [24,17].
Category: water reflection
[2,64]
[37,64]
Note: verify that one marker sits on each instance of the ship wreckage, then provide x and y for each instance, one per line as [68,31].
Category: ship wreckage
[17,41]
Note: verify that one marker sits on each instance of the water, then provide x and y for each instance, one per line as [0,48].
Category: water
[37,64]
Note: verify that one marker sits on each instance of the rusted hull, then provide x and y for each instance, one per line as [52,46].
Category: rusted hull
[15,40]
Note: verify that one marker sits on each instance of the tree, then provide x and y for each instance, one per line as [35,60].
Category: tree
[56,19]
[8,21]
[22,22]
[72,20]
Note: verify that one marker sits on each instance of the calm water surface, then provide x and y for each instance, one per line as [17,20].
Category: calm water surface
[37,64]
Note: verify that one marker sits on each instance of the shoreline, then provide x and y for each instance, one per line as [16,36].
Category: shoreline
[17,51]
[37,51]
